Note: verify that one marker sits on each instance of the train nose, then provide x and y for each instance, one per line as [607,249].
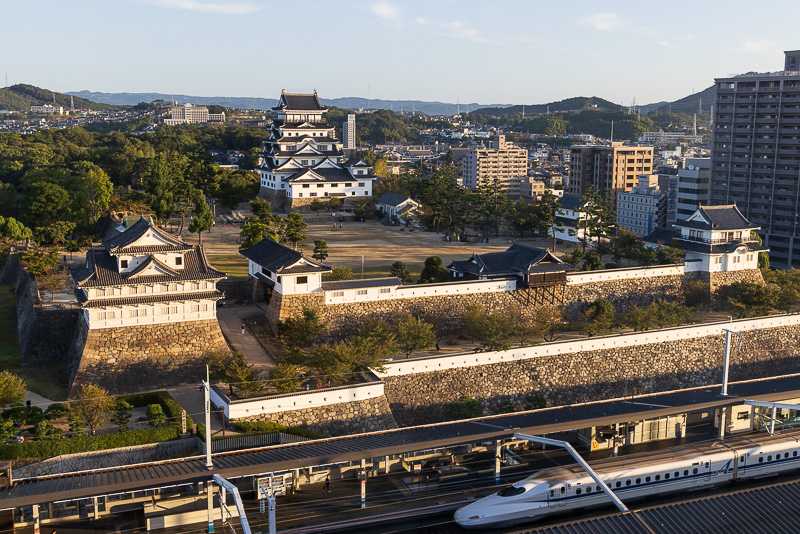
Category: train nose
[466,517]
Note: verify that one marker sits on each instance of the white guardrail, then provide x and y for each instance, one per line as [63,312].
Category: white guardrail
[440,363]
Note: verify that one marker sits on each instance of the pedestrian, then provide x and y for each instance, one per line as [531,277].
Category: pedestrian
[243,327]
[340,225]
[334,226]
[437,346]
[327,487]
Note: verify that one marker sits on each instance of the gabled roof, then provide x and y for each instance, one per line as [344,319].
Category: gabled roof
[299,102]
[727,217]
[101,270]
[571,202]
[661,236]
[355,162]
[518,258]
[126,242]
[280,259]
[391,199]
[152,267]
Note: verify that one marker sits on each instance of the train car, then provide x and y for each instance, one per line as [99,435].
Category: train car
[637,476]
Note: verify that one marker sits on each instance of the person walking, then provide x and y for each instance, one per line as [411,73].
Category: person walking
[327,486]
[243,327]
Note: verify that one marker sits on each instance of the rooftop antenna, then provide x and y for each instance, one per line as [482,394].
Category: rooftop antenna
[71,103]
[54,97]
[694,128]
[700,105]
[612,131]
[458,108]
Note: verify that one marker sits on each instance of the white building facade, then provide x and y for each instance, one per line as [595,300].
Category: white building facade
[349,132]
[146,276]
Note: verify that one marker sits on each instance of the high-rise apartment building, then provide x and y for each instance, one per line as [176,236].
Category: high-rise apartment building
[755,159]
[692,186]
[503,161]
[349,132]
[608,168]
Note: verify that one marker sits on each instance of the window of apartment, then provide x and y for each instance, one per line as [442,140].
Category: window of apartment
[123,264]
[179,260]
[302,279]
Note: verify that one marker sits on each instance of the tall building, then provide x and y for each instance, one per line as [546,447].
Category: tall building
[349,132]
[608,168]
[644,208]
[692,186]
[189,114]
[503,161]
[303,161]
[755,158]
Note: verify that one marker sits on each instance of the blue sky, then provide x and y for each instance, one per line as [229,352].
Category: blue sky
[473,51]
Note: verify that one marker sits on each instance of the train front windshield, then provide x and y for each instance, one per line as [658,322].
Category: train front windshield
[511,491]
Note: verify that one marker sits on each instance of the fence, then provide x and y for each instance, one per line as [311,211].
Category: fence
[250,441]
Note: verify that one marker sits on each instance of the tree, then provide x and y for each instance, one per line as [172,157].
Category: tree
[316,206]
[546,210]
[493,331]
[601,317]
[334,362]
[302,331]
[262,209]
[341,272]
[202,218]
[55,279]
[763,257]
[399,270]
[284,378]
[243,375]
[362,209]
[748,299]
[254,231]
[95,188]
[433,271]
[163,176]
[155,415]
[91,405]
[12,389]
[414,334]
[54,233]
[122,414]
[465,407]
[373,342]
[294,229]
[320,250]
[697,294]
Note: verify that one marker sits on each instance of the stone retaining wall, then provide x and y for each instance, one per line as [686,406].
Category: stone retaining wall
[343,418]
[626,293]
[87,461]
[592,375]
[143,357]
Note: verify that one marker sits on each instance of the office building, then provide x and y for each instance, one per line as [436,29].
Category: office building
[755,159]
[189,114]
[608,168]
[644,208]
[349,132]
[48,109]
[504,162]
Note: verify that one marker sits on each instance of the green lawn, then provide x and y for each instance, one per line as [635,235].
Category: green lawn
[233,264]
[381,271]
[46,380]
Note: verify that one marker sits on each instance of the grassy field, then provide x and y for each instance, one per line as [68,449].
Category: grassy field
[46,380]
[233,264]
[383,271]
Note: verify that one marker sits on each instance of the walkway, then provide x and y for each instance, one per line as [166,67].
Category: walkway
[231,320]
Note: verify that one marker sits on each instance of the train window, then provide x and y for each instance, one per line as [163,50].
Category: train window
[769,458]
[666,476]
[619,484]
[786,455]
[686,472]
[638,480]
[658,477]
[627,482]
[694,471]
[597,488]
[552,493]
[563,489]
[588,489]
[511,491]
[647,479]
[706,465]
[578,491]
[794,453]
[760,459]
[741,459]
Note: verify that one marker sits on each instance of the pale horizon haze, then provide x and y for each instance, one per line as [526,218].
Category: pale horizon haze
[513,52]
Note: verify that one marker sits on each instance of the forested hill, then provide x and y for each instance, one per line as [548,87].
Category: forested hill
[577,103]
[699,103]
[21,97]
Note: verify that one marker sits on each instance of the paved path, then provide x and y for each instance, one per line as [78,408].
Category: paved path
[231,320]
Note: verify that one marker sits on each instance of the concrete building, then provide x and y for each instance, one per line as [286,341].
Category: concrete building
[692,186]
[349,132]
[48,109]
[503,161]
[302,159]
[608,168]
[755,159]
[146,276]
[644,208]
[669,138]
[189,114]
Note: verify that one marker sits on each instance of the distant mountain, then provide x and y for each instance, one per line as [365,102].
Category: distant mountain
[21,97]
[430,108]
[577,103]
[689,104]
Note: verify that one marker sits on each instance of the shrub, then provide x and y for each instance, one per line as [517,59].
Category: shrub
[464,408]
[155,415]
[535,402]
[284,377]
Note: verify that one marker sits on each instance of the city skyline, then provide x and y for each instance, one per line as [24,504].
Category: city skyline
[511,53]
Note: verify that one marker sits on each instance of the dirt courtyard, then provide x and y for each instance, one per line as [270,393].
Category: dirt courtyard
[378,244]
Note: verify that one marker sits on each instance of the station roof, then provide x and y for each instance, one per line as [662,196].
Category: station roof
[351,448]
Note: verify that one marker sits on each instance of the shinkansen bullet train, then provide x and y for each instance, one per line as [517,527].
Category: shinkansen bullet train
[683,468]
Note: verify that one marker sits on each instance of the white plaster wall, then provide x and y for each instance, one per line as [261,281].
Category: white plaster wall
[297,401]
[588,277]
[150,314]
[424,365]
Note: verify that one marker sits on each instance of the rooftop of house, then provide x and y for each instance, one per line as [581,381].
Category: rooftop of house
[727,217]
[391,199]
[281,259]
[518,258]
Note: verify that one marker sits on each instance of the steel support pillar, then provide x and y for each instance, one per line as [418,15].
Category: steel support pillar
[363,475]
[35,511]
[498,455]
[210,501]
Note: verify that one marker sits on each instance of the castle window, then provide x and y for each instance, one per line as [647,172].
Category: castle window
[361,292]
[306,186]
[266,271]
[320,185]
[123,264]
[338,293]
[312,194]
[360,184]
[302,279]
[386,290]
[179,260]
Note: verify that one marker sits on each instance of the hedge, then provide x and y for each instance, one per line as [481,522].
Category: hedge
[262,427]
[171,407]
[84,442]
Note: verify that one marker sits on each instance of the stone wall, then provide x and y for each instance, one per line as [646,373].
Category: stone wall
[343,418]
[593,375]
[144,357]
[717,280]
[626,293]
[87,461]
